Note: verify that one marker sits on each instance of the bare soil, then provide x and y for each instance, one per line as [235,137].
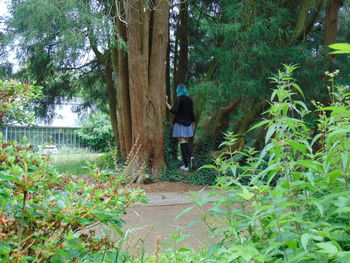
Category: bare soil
[148,223]
[172,187]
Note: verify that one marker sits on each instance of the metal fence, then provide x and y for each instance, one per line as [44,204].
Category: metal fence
[43,135]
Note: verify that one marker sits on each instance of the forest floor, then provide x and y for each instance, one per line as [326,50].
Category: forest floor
[156,219]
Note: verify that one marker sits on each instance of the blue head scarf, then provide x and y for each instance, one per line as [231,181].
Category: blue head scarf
[181,90]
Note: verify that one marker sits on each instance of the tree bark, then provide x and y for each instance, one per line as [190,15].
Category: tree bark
[112,99]
[147,69]
[219,124]
[199,100]
[173,97]
[180,76]
[168,84]
[157,83]
[331,21]
[124,112]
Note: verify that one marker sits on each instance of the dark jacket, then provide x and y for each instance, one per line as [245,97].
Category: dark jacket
[183,110]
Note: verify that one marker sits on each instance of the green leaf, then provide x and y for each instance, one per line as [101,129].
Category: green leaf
[319,206]
[208,166]
[271,130]
[305,238]
[184,212]
[345,160]
[297,87]
[293,244]
[191,224]
[119,231]
[218,210]
[327,247]
[4,248]
[341,48]
[264,122]
[166,244]
[246,195]
[298,146]
[183,249]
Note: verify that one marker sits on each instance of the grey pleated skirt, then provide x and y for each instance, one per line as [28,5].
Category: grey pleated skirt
[180,130]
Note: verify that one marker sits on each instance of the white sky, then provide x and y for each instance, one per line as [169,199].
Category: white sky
[3,7]
[4,13]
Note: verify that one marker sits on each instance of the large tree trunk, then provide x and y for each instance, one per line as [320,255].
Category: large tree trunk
[112,100]
[146,65]
[331,21]
[124,111]
[173,97]
[157,82]
[181,71]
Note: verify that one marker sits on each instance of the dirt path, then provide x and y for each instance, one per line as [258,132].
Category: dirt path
[157,219]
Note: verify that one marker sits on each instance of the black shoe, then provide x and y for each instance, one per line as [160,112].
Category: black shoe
[192,163]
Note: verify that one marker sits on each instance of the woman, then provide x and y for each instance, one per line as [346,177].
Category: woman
[183,123]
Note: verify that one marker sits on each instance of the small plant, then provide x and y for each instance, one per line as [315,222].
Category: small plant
[47,217]
[295,207]
[44,215]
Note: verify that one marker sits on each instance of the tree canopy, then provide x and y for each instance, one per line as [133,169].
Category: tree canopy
[225,51]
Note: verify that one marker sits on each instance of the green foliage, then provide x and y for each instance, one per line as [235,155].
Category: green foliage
[296,206]
[108,160]
[14,101]
[48,217]
[247,41]
[340,48]
[73,164]
[97,132]
[55,50]
[44,214]
[198,176]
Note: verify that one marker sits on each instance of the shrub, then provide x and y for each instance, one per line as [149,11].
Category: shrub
[48,217]
[97,132]
[109,160]
[43,215]
[296,205]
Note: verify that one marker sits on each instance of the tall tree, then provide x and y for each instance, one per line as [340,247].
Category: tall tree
[123,43]
[147,40]
[182,35]
[249,41]
[331,21]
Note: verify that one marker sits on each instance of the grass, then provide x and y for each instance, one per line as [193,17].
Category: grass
[73,163]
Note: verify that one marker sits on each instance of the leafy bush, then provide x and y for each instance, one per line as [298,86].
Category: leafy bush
[296,206]
[97,132]
[14,101]
[109,160]
[44,215]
